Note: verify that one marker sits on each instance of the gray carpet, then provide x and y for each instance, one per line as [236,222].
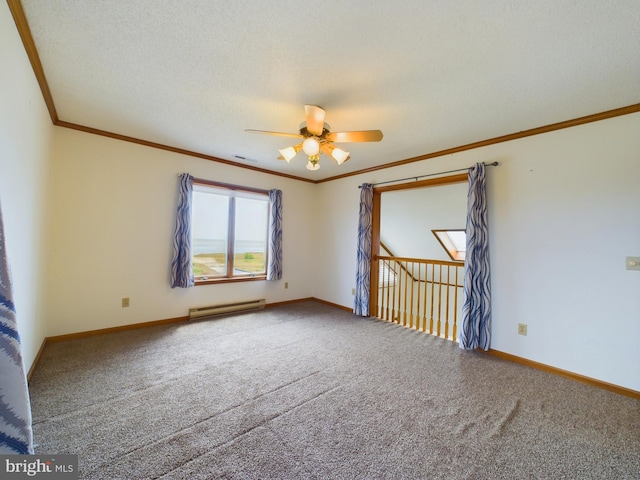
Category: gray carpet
[307,391]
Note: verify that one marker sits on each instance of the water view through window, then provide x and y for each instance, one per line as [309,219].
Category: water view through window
[224,219]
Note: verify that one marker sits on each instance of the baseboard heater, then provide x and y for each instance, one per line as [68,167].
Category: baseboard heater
[214,310]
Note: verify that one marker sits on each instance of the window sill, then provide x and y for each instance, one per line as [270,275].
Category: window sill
[211,281]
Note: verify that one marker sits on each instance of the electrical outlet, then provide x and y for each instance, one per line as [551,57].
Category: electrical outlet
[522,329]
[125,302]
[286,284]
[353,291]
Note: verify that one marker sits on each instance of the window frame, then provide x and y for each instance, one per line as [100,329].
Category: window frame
[448,244]
[230,277]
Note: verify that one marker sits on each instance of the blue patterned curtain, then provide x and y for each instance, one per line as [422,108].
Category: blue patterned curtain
[363,276]
[274,269]
[16,436]
[475,331]
[181,271]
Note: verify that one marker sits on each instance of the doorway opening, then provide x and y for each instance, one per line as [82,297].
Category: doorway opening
[414,281]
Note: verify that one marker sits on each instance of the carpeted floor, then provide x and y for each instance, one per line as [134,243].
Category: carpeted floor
[307,391]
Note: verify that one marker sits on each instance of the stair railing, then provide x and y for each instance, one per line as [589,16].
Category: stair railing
[422,294]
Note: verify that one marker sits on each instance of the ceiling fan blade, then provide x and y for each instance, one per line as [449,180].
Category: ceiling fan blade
[279,134]
[359,136]
[326,149]
[315,119]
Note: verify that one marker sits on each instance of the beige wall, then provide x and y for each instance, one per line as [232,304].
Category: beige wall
[408,216]
[562,211]
[563,214]
[112,218]
[25,137]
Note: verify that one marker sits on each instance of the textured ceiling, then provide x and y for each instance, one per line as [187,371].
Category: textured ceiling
[432,75]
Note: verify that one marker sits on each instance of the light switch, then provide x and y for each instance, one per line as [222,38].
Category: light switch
[633,263]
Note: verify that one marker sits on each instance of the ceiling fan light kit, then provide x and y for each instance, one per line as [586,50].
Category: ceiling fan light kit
[311,146]
[313,164]
[339,155]
[319,139]
[290,152]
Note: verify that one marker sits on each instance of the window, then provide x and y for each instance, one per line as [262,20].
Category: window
[229,232]
[454,242]
[387,275]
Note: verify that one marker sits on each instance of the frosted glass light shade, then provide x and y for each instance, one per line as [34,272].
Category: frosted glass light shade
[313,166]
[311,146]
[288,153]
[339,155]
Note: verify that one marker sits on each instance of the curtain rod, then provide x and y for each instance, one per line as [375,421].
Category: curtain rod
[494,164]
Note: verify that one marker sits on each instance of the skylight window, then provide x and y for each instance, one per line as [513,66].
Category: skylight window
[454,242]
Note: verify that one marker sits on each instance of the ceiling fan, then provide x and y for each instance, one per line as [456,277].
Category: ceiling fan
[318,138]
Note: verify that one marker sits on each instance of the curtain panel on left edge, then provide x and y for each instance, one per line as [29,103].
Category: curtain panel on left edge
[181,271]
[16,434]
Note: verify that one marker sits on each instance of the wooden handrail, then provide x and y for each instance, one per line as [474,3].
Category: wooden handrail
[394,258]
[420,260]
